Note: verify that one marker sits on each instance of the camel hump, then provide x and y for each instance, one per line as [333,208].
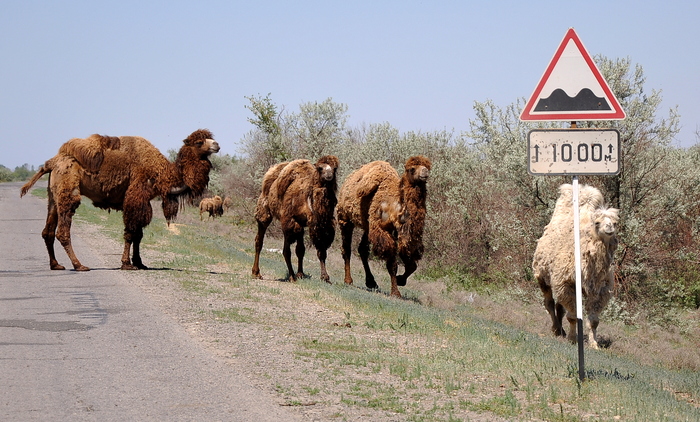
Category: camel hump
[374,175]
[89,152]
[295,170]
[270,176]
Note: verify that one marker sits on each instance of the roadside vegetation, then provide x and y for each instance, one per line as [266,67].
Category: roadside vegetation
[18,174]
[486,212]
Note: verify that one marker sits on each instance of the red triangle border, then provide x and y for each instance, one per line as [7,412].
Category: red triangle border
[618,114]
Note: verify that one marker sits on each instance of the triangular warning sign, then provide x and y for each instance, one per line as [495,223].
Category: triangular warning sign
[572,88]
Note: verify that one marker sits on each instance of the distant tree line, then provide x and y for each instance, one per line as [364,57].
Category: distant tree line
[20,173]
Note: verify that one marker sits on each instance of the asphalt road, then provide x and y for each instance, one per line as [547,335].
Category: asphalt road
[89,346]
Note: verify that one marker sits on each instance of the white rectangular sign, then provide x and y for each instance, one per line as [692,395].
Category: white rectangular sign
[573,151]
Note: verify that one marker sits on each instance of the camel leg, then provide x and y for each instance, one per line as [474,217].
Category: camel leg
[132,238]
[300,251]
[346,230]
[392,267]
[287,254]
[566,298]
[66,206]
[322,254]
[49,232]
[363,250]
[592,323]
[410,266]
[126,255]
[594,307]
[137,214]
[555,310]
[560,312]
[137,236]
[262,228]
[571,317]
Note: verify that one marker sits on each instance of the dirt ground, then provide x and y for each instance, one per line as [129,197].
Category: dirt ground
[267,353]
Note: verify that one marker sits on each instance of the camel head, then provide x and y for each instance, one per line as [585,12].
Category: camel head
[193,163]
[326,167]
[605,220]
[202,141]
[418,169]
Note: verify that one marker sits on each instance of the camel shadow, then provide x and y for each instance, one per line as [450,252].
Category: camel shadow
[158,269]
[378,290]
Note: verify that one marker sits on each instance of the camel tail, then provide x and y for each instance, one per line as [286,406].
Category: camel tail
[42,171]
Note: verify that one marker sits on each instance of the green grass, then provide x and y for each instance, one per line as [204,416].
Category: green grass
[423,363]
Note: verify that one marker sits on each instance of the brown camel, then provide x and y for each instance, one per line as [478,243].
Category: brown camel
[120,173]
[299,194]
[391,212]
[214,206]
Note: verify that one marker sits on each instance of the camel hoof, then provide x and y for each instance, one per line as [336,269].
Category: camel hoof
[57,267]
[371,285]
[558,332]
[82,268]
[129,267]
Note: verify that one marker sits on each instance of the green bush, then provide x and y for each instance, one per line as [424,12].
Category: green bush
[485,211]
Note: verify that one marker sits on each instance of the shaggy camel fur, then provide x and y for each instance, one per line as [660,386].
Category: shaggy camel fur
[214,206]
[120,173]
[554,266]
[391,212]
[299,194]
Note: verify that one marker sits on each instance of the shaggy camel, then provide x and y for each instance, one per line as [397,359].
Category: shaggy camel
[391,212]
[120,173]
[553,263]
[299,194]
[214,206]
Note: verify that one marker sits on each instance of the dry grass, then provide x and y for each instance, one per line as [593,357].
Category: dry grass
[342,353]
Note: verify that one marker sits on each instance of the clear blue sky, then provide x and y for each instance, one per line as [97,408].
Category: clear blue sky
[161,69]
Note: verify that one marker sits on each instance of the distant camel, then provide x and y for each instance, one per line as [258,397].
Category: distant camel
[214,206]
[120,173]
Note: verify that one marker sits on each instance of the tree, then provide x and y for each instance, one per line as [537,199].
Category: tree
[265,144]
[645,138]
[5,174]
[318,128]
[314,131]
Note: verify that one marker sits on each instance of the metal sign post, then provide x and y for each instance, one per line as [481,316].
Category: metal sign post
[579,294]
[572,88]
